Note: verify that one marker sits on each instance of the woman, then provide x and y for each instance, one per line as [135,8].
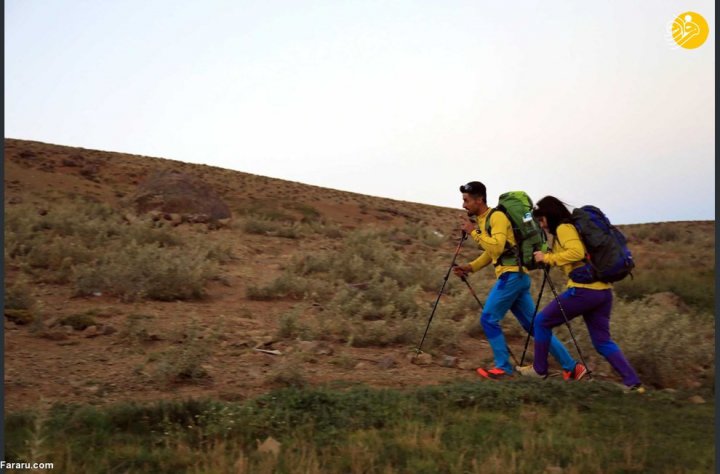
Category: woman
[591,300]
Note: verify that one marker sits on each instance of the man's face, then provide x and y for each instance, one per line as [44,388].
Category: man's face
[471,204]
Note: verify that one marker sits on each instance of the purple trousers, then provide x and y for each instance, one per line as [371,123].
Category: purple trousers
[595,307]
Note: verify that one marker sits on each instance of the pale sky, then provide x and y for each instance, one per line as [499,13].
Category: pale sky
[589,101]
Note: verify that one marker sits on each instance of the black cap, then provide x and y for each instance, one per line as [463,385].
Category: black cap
[474,187]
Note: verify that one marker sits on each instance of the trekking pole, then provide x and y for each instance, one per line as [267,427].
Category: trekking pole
[442,288]
[464,279]
[532,321]
[567,321]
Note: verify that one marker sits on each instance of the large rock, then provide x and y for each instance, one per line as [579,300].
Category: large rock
[172,192]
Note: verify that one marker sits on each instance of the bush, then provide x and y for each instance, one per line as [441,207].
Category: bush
[273,228]
[79,322]
[369,291]
[290,327]
[666,348]
[382,333]
[289,285]
[147,271]
[90,245]
[695,287]
[288,374]
[524,426]
[185,362]
[19,296]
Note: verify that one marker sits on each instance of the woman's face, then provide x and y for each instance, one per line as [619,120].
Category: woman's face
[542,220]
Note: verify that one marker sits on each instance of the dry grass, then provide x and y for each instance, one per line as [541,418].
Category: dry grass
[90,246]
[667,348]
[185,362]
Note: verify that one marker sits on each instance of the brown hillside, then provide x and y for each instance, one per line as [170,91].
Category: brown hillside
[133,347]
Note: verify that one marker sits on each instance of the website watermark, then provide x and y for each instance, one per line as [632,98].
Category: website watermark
[688,30]
[37,466]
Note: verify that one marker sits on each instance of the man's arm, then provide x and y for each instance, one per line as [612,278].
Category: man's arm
[494,245]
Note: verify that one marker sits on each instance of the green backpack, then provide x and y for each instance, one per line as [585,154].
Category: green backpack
[518,207]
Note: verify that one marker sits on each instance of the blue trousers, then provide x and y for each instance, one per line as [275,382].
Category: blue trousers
[512,292]
[595,307]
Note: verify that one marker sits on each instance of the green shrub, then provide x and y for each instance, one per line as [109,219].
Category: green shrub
[288,374]
[19,296]
[381,333]
[288,285]
[523,427]
[308,212]
[185,362]
[135,331]
[147,271]
[290,327]
[696,287]
[272,228]
[91,246]
[666,348]
[79,321]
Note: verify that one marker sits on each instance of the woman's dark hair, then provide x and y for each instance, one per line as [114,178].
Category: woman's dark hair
[552,209]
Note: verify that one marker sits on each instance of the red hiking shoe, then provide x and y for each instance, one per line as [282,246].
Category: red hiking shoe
[493,374]
[576,374]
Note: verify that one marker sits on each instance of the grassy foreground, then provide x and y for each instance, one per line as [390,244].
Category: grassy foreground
[520,426]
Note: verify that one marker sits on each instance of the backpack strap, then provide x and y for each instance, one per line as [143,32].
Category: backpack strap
[510,252]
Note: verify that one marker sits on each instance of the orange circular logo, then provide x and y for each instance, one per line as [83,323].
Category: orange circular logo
[690,30]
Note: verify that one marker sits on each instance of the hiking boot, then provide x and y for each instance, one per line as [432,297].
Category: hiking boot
[494,373]
[575,374]
[637,388]
[529,371]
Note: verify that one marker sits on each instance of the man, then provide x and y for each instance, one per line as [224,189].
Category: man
[492,231]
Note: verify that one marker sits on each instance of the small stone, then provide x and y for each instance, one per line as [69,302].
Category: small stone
[387,362]
[450,361]
[176,219]
[307,346]
[696,399]
[52,322]
[108,330]
[55,335]
[465,365]
[324,349]
[269,446]
[91,331]
[19,316]
[68,343]
[423,359]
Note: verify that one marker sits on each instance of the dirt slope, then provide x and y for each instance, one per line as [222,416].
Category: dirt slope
[114,362]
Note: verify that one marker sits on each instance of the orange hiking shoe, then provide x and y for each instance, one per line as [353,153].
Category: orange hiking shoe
[576,374]
[494,373]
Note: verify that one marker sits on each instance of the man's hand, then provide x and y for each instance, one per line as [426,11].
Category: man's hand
[466,225]
[539,257]
[462,270]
